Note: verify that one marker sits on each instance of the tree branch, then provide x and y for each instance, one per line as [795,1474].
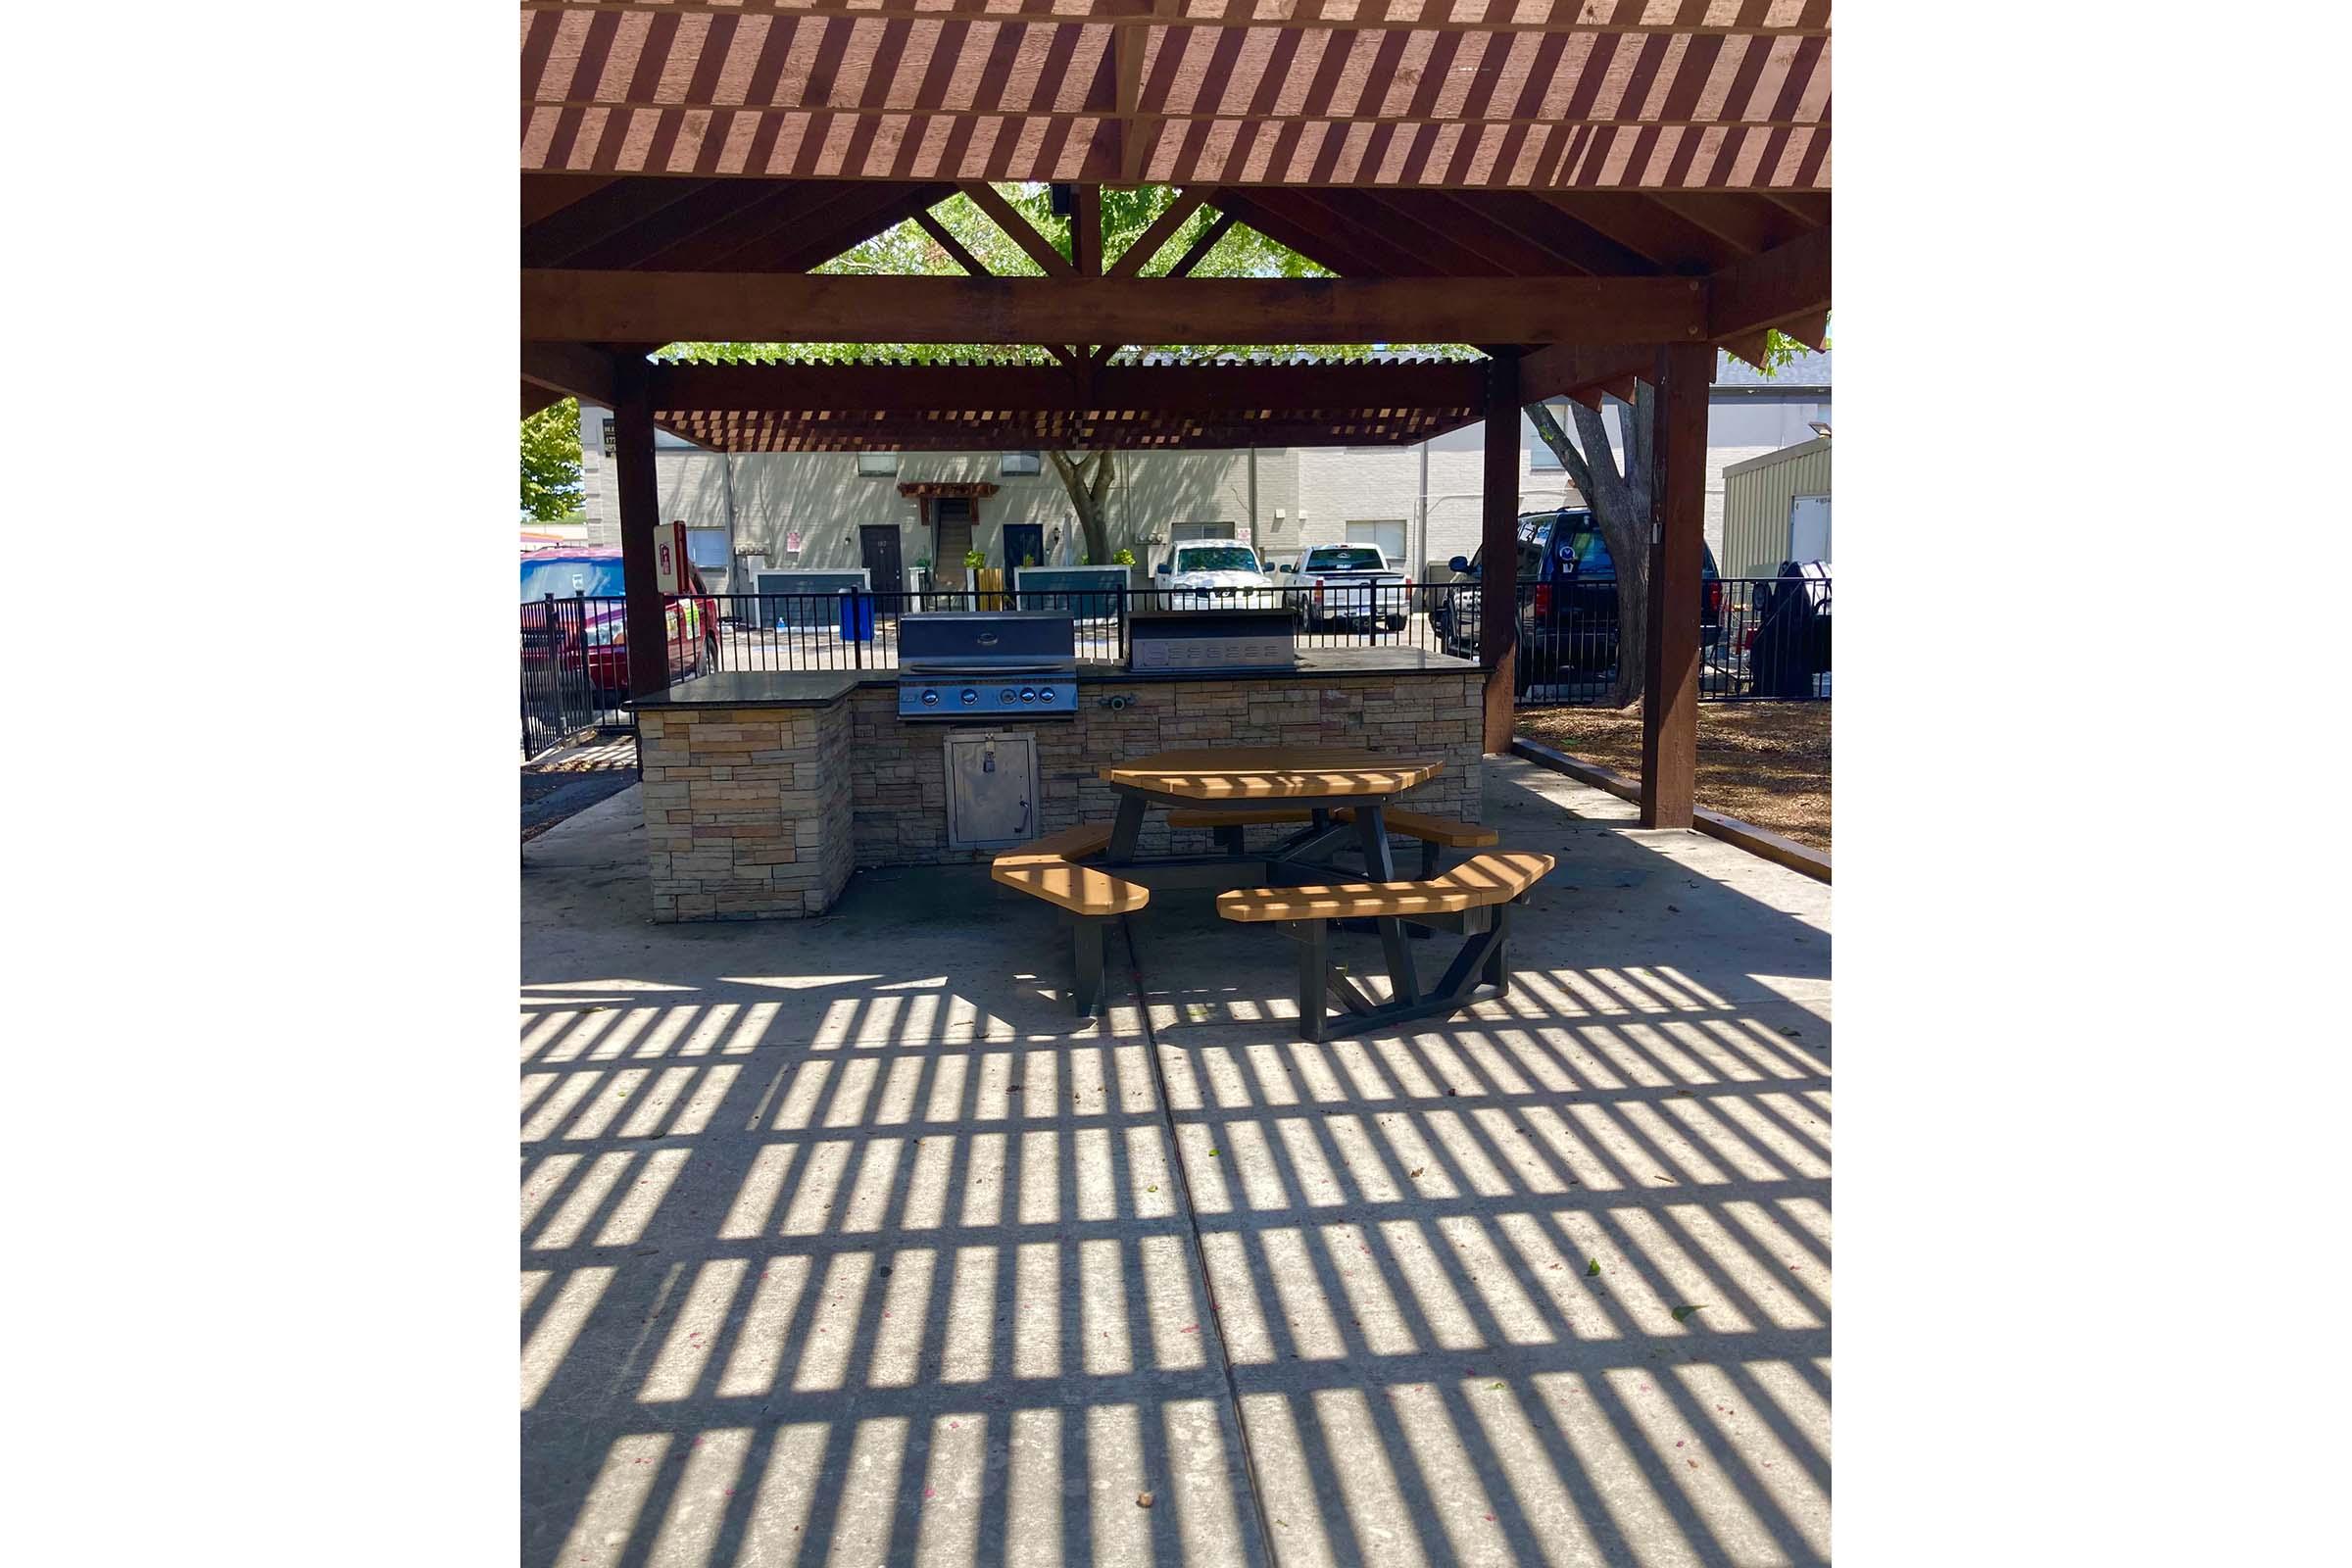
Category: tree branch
[1548,427]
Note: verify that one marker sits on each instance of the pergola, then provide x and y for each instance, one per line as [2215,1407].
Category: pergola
[1590,191]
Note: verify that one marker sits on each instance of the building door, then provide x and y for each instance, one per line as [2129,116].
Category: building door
[1388,537]
[878,552]
[950,537]
[1024,545]
[1808,529]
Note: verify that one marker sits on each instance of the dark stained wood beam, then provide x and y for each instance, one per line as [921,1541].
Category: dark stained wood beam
[1390,254]
[1318,246]
[536,397]
[1499,551]
[1749,223]
[1019,229]
[1787,285]
[640,496]
[555,240]
[1086,231]
[791,226]
[1630,219]
[944,238]
[1563,369]
[1133,259]
[1200,248]
[569,370]
[546,194]
[1628,19]
[586,307]
[1678,489]
[908,390]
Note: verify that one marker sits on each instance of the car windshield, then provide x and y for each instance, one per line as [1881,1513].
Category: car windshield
[1344,558]
[1216,558]
[598,579]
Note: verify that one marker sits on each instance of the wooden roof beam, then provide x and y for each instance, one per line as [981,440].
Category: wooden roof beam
[1577,372]
[569,370]
[1788,285]
[1019,229]
[560,236]
[585,307]
[756,391]
[1135,257]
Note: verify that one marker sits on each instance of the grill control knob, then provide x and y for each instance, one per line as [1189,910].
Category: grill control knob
[1045,694]
[1028,694]
[1005,696]
[930,698]
[970,697]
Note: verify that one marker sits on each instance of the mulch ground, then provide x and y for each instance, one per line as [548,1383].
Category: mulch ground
[569,780]
[1763,763]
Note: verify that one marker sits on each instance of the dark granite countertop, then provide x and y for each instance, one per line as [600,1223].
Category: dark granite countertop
[819,688]
[764,688]
[1314,664]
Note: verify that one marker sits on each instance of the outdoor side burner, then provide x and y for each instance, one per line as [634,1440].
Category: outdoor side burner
[988,664]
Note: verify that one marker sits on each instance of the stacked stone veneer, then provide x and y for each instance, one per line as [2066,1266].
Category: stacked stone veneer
[899,771]
[746,812]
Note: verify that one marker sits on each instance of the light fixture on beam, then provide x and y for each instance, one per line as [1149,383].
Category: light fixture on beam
[1820,427]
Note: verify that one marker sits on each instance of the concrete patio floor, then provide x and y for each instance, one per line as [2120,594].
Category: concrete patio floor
[844,1242]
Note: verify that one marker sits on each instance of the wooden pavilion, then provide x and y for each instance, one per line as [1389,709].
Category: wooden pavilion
[1592,191]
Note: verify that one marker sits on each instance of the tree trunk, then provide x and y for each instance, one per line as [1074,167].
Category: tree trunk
[1620,497]
[1086,476]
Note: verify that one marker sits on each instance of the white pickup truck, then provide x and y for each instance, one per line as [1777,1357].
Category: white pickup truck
[1348,585]
[1198,574]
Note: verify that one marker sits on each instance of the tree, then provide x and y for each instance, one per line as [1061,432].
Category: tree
[1620,493]
[551,462]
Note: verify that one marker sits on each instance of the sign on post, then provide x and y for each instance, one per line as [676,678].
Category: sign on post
[669,557]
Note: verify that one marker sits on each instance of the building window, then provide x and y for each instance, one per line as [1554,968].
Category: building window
[707,548]
[1179,532]
[1018,462]
[1540,456]
[877,465]
[1389,536]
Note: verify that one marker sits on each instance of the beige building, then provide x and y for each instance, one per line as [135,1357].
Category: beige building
[1420,503]
[1775,508]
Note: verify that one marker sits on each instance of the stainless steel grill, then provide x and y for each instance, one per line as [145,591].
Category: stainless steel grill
[988,664]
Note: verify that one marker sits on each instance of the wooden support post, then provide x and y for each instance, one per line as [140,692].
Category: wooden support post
[1499,546]
[640,516]
[1677,586]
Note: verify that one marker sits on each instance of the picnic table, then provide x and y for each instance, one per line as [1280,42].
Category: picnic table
[1336,798]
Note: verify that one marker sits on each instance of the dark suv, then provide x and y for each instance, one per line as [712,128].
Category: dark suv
[1567,600]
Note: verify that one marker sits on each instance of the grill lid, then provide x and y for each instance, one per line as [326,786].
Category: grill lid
[984,639]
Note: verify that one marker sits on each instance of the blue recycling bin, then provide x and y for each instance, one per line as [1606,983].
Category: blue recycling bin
[856,617]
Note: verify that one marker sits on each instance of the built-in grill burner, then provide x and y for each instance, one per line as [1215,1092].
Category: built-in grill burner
[988,664]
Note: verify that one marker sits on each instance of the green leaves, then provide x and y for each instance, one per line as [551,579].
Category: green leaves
[1591,1266]
[1682,1312]
[551,462]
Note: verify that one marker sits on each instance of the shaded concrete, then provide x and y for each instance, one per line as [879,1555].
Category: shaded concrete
[843,1242]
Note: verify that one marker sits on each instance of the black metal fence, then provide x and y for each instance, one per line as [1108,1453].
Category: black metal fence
[1760,638]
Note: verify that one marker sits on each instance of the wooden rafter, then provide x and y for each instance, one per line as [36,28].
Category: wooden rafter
[586,307]
[1137,255]
[928,221]
[1201,247]
[1637,223]
[1788,284]
[1019,229]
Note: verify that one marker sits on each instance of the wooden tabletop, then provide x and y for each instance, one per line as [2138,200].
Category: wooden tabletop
[1274,773]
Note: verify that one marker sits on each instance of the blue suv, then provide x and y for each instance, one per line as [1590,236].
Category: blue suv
[1567,600]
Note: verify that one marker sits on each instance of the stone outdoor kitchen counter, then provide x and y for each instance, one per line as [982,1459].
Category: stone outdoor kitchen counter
[765,789]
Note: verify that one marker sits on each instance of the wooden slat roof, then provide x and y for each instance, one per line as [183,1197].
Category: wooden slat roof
[1664,95]
[885,405]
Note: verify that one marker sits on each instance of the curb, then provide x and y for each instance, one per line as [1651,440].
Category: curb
[1757,841]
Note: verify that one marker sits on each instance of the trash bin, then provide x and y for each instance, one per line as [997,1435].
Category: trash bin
[856,617]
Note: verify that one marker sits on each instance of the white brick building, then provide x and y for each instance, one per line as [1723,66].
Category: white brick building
[1421,503]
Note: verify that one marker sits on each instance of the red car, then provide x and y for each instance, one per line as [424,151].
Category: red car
[593,635]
